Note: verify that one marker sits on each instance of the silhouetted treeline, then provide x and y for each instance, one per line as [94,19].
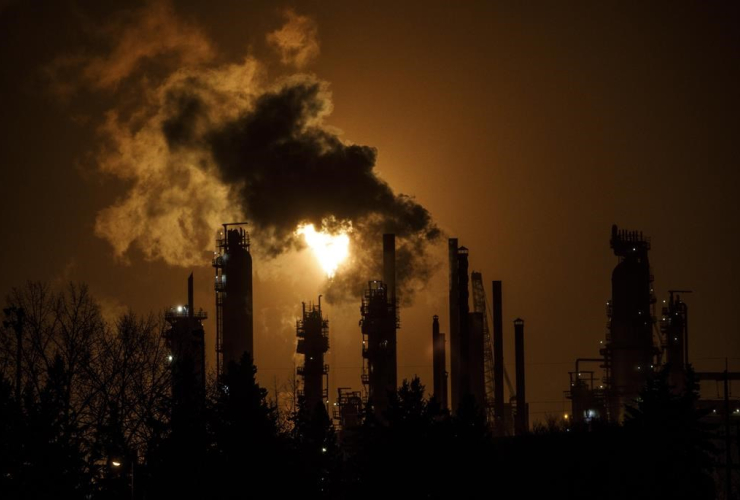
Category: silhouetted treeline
[93,419]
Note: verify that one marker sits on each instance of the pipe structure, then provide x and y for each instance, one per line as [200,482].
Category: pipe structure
[454,325]
[464,383]
[522,412]
[498,356]
[389,265]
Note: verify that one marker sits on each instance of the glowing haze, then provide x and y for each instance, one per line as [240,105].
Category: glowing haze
[331,250]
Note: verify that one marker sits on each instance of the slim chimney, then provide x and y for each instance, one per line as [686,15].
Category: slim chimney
[498,357]
[389,265]
[522,412]
[438,364]
[190,296]
[454,325]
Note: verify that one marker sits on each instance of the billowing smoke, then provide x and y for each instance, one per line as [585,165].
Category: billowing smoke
[285,169]
[214,143]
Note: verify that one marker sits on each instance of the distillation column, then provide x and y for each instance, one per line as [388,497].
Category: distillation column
[234,309]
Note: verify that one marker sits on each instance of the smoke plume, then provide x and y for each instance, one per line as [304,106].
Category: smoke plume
[212,144]
[297,41]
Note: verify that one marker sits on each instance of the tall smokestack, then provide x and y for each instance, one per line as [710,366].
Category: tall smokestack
[190,296]
[498,356]
[438,364]
[463,308]
[476,369]
[522,412]
[234,307]
[454,325]
[389,265]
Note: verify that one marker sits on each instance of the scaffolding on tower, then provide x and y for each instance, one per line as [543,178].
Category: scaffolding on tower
[479,306]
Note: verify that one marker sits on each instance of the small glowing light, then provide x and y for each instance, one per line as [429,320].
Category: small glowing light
[169,358]
[323,450]
[179,309]
[330,249]
[116,463]
[566,417]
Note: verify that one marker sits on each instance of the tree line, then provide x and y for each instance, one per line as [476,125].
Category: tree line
[90,416]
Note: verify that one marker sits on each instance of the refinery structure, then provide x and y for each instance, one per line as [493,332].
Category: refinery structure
[638,343]
[468,362]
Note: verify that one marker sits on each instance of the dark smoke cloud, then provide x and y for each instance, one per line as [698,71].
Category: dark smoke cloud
[287,169]
[206,142]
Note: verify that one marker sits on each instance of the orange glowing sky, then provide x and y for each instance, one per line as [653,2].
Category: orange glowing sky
[526,131]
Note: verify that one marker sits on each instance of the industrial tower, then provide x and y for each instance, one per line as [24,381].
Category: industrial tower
[186,341]
[379,323]
[438,362]
[312,331]
[479,306]
[234,313]
[629,350]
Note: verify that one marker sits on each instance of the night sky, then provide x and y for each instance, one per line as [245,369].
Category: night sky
[524,130]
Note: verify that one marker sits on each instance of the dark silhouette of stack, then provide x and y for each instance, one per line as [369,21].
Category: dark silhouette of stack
[454,325]
[186,340]
[379,324]
[498,358]
[234,310]
[522,409]
[312,331]
[438,364]
[629,350]
[466,333]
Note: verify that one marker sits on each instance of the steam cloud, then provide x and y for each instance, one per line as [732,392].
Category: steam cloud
[213,144]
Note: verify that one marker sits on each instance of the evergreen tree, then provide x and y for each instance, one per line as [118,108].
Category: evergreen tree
[248,450]
[670,439]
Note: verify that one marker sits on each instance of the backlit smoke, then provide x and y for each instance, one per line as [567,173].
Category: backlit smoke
[214,143]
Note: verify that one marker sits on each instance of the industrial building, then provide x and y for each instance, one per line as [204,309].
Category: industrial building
[234,310]
[312,331]
[629,350]
[186,341]
[379,322]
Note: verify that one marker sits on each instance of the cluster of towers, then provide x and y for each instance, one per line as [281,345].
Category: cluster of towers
[637,344]
[477,371]
[234,324]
